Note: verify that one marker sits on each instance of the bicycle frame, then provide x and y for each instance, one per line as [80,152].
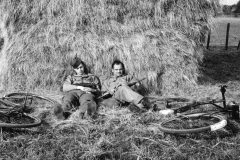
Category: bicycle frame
[15,107]
[26,98]
[223,108]
[184,121]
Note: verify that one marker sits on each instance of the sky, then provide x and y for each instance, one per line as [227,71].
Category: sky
[228,2]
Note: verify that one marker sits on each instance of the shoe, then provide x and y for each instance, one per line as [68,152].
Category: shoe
[158,106]
[146,103]
[87,110]
[58,111]
[137,108]
[92,109]
[133,108]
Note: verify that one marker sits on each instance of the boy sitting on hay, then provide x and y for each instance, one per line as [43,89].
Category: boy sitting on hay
[81,89]
[118,86]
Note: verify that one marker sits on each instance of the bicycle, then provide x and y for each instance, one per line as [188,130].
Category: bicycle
[15,109]
[211,118]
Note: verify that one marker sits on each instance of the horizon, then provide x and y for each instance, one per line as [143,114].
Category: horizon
[228,2]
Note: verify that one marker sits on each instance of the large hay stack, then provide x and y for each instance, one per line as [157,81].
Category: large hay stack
[159,38]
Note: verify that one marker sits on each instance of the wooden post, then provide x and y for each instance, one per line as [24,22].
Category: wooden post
[227,35]
[1,135]
[208,40]
[238,45]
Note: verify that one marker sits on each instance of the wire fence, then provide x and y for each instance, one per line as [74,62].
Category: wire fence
[228,14]
[226,34]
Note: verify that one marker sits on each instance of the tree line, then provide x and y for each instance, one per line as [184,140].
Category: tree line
[228,9]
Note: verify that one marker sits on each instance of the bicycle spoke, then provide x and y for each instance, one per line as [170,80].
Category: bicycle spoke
[15,105]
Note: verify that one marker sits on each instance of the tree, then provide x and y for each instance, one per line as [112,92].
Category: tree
[236,8]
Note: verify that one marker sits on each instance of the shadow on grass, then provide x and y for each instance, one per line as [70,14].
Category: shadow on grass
[11,133]
[220,65]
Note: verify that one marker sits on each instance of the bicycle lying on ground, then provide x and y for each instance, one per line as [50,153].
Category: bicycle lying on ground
[15,109]
[199,116]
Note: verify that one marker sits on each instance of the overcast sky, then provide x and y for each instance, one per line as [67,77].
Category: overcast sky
[228,2]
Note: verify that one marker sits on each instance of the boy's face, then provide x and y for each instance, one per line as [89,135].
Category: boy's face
[79,70]
[117,70]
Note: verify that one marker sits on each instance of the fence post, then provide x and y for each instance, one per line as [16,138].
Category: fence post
[238,45]
[227,35]
[208,40]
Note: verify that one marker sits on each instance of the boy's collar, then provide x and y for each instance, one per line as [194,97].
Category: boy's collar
[118,76]
[83,75]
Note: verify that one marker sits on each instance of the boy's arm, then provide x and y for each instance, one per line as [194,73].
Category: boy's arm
[105,86]
[97,82]
[132,80]
[106,93]
[67,85]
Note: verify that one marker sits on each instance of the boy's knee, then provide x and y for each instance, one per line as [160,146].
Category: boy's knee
[88,109]
[92,109]
[57,108]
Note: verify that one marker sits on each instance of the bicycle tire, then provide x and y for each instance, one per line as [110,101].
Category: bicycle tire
[10,95]
[27,121]
[16,119]
[221,122]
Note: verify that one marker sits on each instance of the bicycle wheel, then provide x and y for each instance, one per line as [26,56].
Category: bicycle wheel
[22,96]
[30,100]
[192,123]
[17,120]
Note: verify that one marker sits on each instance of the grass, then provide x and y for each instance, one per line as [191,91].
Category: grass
[117,135]
[121,134]
[218,36]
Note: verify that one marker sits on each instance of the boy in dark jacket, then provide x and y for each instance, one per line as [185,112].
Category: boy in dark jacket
[81,89]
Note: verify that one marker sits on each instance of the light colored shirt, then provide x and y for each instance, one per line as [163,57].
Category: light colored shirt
[111,84]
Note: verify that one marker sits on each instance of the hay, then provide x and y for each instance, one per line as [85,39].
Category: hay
[162,37]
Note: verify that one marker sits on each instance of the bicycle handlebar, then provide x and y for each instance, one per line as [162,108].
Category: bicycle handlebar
[223,90]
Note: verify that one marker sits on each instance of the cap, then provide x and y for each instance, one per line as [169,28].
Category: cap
[75,62]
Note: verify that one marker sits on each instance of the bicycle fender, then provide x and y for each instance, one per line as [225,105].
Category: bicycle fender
[218,125]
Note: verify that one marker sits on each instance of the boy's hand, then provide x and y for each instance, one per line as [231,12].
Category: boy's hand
[112,91]
[137,84]
[86,89]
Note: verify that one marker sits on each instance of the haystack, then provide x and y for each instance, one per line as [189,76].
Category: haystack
[159,38]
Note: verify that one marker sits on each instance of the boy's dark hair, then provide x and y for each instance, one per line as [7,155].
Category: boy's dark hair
[118,62]
[76,62]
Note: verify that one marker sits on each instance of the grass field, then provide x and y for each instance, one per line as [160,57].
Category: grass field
[218,36]
[124,135]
